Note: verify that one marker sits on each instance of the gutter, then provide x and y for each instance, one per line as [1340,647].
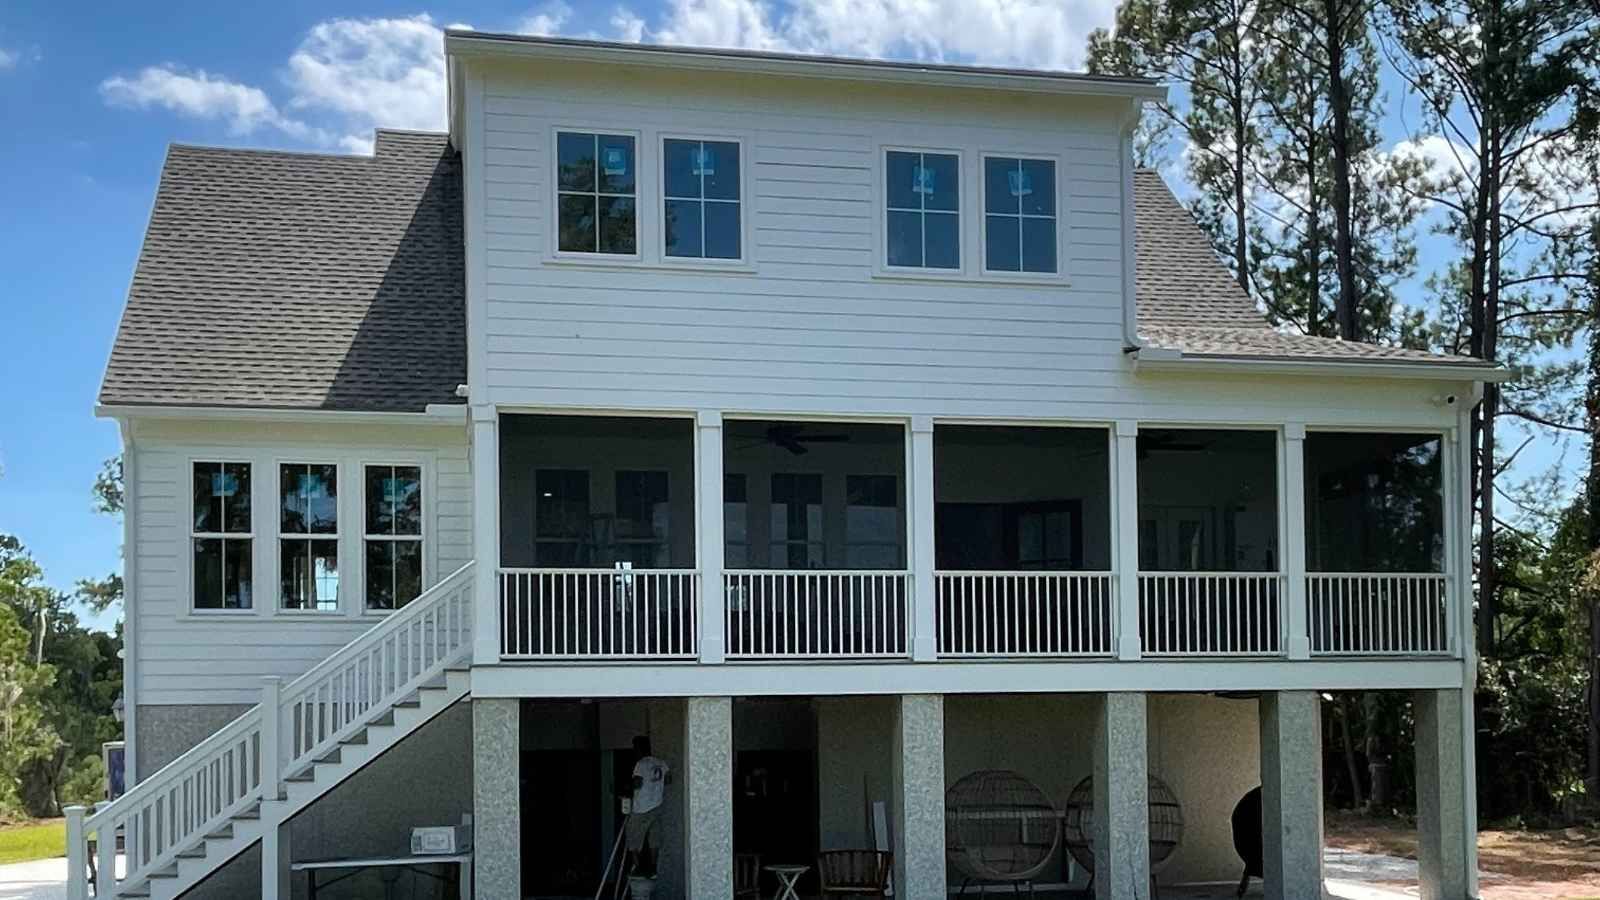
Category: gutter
[1162,360]
[433,414]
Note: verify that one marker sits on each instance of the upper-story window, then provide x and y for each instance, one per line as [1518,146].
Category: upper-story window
[221,536]
[1019,221]
[597,193]
[701,199]
[308,536]
[393,536]
[922,220]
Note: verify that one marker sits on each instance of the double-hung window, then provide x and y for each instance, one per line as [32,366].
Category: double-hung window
[1019,215]
[701,214]
[596,193]
[221,536]
[922,219]
[393,536]
[308,536]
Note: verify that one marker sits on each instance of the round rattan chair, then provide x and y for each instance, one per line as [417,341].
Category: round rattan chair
[1166,826]
[999,828]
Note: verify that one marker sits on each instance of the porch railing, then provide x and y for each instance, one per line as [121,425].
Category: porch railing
[599,613]
[1365,614]
[1211,613]
[982,614]
[816,614]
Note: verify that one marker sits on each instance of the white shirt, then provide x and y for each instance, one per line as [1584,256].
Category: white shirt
[652,775]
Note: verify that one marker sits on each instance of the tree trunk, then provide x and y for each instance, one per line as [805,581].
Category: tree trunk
[1241,249]
[1357,800]
[1339,103]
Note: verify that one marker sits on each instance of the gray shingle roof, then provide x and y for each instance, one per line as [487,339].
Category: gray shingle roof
[304,281]
[298,281]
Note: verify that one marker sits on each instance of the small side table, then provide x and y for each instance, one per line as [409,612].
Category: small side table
[787,877]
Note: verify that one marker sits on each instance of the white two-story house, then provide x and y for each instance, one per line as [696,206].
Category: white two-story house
[873,437]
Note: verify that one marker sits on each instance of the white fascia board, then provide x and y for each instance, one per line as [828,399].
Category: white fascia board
[462,44]
[1164,360]
[436,414]
[577,680]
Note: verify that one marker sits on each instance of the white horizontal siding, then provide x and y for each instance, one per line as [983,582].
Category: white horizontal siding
[183,657]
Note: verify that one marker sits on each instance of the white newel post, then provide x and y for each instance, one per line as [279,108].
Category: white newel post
[1297,640]
[486,535]
[924,634]
[1125,559]
[77,851]
[710,548]
[271,738]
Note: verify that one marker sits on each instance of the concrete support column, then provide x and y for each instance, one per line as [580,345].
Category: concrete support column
[497,797]
[486,535]
[708,777]
[917,821]
[1122,799]
[1125,530]
[924,640]
[1292,527]
[710,547]
[1291,794]
[1444,832]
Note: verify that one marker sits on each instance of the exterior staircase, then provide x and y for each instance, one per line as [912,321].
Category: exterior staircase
[228,792]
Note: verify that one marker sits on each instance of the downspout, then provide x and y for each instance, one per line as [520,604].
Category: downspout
[1131,343]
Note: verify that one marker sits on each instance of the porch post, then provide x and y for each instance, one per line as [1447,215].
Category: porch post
[708,748]
[1443,861]
[275,858]
[1291,794]
[496,796]
[486,534]
[1125,544]
[710,548]
[918,820]
[1122,799]
[924,640]
[1292,513]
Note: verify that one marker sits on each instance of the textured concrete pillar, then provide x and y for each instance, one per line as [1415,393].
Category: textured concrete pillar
[1122,799]
[1291,794]
[917,822]
[1443,862]
[497,797]
[708,783]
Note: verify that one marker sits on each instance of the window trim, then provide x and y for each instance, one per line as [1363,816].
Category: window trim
[191,535]
[1059,275]
[880,200]
[338,536]
[745,260]
[642,186]
[425,535]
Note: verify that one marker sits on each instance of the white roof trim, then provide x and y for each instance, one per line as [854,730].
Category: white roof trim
[436,414]
[1164,360]
[482,44]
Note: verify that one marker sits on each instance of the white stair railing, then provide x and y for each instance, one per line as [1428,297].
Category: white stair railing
[198,793]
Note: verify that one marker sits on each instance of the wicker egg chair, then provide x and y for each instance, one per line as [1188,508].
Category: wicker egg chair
[1166,826]
[999,828]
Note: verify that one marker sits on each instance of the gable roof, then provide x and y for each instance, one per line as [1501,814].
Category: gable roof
[298,281]
[272,280]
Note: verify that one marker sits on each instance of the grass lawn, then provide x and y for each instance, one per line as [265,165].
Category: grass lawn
[41,840]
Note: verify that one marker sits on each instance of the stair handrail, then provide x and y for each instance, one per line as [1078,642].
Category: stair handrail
[205,786]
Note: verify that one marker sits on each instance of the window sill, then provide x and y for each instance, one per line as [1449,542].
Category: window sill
[641,265]
[995,279]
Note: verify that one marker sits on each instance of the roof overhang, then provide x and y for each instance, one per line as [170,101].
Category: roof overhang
[478,44]
[1165,360]
[434,414]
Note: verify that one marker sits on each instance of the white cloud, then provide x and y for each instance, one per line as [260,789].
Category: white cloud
[200,95]
[547,20]
[364,73]
[627,26]
[8,58]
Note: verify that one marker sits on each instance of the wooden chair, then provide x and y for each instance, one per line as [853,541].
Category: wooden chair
[855,873]
[747,875]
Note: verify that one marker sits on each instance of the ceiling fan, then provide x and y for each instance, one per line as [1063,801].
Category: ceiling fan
[794,438]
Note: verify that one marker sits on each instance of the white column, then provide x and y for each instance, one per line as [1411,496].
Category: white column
[710,547]
[1125,545]
[275,858]
[918,764]
[77,854]
[1291,794]
[708,749]
[1444,833]
[497,796]
[1122,799]
[486,535]
[1292,518]
[924,636]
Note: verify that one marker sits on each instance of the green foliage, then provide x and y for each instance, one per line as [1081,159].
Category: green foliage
[47,840]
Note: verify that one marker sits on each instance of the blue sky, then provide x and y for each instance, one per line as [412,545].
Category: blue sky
[93,97]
